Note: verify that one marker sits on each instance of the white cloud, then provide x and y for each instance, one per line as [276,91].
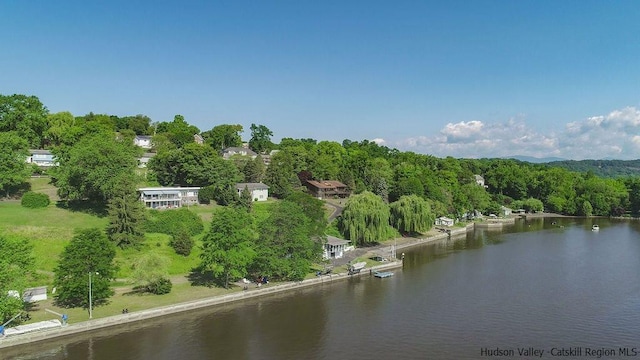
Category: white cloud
[614,135]
[379,141]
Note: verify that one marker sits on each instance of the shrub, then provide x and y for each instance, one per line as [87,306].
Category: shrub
[160,286]
[206,194]
[182,243]
[170,222]
[34,200]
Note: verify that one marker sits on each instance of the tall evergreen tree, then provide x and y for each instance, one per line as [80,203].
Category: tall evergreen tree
[245,201]
[126,215]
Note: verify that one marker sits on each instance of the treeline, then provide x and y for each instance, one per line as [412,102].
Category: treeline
[91,157]
[601,168]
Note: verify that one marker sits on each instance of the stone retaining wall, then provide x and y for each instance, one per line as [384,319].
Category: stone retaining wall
[96,324]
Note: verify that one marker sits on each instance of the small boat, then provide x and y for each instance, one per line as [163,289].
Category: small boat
[595,228]
[382,274]
[355,268]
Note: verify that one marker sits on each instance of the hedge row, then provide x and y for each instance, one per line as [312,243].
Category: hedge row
[170,222]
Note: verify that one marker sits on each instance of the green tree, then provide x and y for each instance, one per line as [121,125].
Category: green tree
[286,247]
[223,136]
[149,270]
[244,200]
[228,247]
[182,242]
[477,197]
[91,168]
[126,215]
[586,209]
[89,252]
[260,141]
[13,168]
[193,165]
[365,218]
[326,160]
[63,129]
[411,214]
[179,132]
[280,175]
[26,116]
[408,186]
[16,263]
[313,209]
[254,170]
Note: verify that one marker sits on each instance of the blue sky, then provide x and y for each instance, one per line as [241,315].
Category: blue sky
[447,78]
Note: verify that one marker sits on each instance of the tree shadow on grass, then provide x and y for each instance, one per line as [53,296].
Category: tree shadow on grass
[198,277]
[95,208]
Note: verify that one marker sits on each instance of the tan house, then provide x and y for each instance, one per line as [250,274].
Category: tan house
[324,189]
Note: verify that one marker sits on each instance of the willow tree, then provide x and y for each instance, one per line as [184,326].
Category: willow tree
[411,213]
[365,218]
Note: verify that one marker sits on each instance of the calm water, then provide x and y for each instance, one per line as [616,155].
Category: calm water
[538,283]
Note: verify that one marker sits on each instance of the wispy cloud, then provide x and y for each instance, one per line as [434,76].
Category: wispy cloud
[614,135]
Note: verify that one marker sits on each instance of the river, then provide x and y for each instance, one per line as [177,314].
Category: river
[545,284]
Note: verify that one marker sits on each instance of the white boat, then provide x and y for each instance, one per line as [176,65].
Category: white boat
[595,228]
[355,268]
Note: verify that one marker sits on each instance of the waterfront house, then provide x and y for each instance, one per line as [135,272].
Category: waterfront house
[168,197]
[240,151]
[142,141]
[444,221]
[334,248]
[327,189]
[198,139]
[505,211]
[259,191]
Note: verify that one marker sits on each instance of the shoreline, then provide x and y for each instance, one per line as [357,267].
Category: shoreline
[115,320]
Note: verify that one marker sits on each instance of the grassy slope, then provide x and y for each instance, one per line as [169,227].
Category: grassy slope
[50,230]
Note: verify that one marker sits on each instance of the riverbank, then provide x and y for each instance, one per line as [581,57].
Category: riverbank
[386,250]
[117,320]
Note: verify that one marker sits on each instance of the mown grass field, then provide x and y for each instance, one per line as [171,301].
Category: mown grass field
[50,230]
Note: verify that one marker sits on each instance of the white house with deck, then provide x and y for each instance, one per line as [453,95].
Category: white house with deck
[168,197]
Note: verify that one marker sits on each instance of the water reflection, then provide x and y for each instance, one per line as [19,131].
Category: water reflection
[539,282]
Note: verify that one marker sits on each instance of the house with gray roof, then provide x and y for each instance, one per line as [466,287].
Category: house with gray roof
[259,191]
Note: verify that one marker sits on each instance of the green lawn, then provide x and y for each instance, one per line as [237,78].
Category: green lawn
[49,229]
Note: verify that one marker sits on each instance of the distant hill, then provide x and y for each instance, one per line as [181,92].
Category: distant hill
[535,160]
[601,168]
